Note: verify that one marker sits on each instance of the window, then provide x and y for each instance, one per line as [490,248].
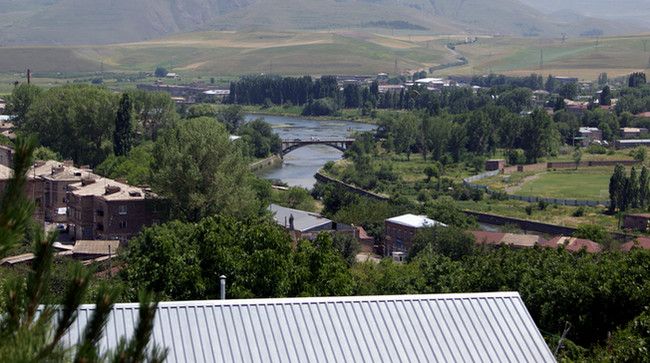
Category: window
[122,210]
[122,224]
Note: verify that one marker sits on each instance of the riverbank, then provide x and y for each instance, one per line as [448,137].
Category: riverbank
[352,115]
[269,162]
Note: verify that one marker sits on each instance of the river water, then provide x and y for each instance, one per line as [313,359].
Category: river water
[301,164]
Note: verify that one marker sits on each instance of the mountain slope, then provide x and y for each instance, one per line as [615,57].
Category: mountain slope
[111,21]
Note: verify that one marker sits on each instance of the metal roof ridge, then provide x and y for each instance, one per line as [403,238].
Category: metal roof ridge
[325,299]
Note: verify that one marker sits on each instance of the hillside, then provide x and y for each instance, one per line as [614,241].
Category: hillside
[637,11]
[50,22]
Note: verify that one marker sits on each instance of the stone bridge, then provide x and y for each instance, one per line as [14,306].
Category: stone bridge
[339,144]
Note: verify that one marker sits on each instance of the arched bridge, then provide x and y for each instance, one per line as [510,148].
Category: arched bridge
[291,145]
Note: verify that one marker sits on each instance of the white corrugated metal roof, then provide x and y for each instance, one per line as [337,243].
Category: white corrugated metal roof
[411,220]
[493,327]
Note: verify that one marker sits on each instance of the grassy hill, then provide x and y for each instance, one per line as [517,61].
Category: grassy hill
[49,22]
[581,57]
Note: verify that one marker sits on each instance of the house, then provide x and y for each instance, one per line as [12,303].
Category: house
[576,107]
[6,156]
[101,208]
[640,242]
[507,239]
[306,225]
[366,241]
[573,244]
[589,135]
[637,222]
[633,132]
[632,143]
[401,230]
[435,84]
[495,164]
[492,327]
[384,88]
[87,250]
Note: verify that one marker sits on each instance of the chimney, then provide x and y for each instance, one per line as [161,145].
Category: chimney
[222,287]
[291,222]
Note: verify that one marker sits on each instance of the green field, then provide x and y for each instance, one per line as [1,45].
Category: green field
[585,183]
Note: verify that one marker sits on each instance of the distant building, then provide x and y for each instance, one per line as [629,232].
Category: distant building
[475,327]
[633,132]
[588,135]
[306,225]
[573,244]
[637,222]
[401,230]
[565,80]
[632,143]
[506,239]
[384,88]
[100,208]
[495,164]
[435,84]
[6,156]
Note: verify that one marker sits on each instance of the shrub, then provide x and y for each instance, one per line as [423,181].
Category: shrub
[529,210]
[579,212]
[596,149]
[542,205]
[321,107]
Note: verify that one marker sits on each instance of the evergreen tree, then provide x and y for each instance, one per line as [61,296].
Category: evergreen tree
[633,192]
[605,98]
[616,187]
[123,134]
[637,79]
[644,188]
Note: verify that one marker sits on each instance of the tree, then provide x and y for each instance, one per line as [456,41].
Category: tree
[76,121]
[20,101]
[134,167]
[160,72]
[452,242]
[153,112]
[431,171]
[33,332]
[569,91]
[231,116]
[616,188]
[202,172]
[405,134]
[636,79]
[603,79]
[644,188]
[122,136]
[595,233]
[260,138]
[605,98]
[537,135]
[577,156]
[629,344]
[634,189]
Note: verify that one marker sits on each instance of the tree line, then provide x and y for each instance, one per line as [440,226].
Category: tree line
[629,192]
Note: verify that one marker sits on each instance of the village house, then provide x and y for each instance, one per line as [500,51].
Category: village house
[506,239]
[589,135]
[637,222]
[6,156]
[573,244]
[633,132]
[306,225]
[495,164]
[632,143]
[435,84]
[100,208]
[401,230]
[640,242]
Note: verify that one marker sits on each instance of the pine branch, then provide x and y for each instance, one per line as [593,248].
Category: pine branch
[87,350]
[15,209]
[39,277]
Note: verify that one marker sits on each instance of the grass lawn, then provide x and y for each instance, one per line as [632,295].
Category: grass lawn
[592,184]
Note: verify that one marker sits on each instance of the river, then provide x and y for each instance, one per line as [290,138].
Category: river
[301,164]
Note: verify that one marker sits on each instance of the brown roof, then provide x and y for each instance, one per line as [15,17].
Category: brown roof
[641,242]
[643,114]
[490,238]
[96,247]
[510,239]
[12,260]
[363,235]
[640,215]
[107,189]
[574,244]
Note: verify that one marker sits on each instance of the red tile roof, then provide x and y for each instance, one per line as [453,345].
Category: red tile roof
[574,244]
[641,242]
[490,238]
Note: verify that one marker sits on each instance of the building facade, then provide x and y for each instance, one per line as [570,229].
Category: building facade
[401,230]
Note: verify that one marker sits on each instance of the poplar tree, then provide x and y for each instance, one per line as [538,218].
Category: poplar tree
[122,136]
[633,191]
[644,188]
[616,188]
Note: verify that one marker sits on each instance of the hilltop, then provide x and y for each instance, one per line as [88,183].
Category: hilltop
[66,22]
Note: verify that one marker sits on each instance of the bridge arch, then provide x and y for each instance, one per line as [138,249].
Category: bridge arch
[338,144]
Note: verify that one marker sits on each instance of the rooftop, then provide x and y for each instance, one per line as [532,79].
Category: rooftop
[107,189]
[641,242]
[574,244]
[456,327]
[96,247]
[411,220]
[303,221]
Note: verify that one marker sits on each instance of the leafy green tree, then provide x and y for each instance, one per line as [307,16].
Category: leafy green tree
[577,156]
[202,172]
[629,344]
[569,91]
[76,121]
[134,167]
[447,211]
[160,72]
[260,138]
[452,242]
[122,136]
[20,101]
[432,171]
[480,134]
[231,116]
[636,79]
[616,188]
[153,112]
[405,134]
[595,233]
[537,135]
[43,153]
[603,79]
[201,110]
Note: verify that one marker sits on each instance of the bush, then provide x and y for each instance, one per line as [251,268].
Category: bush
[516,157]
[596,149]
[321,107]
[580,212]
[529,210]
[499,195]
[542,205]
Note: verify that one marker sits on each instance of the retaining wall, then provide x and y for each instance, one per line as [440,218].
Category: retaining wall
[350,188]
